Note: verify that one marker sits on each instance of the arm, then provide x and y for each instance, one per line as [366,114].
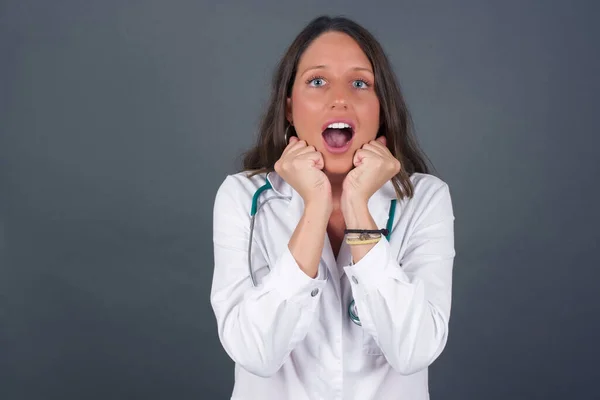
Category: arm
[306,243]
[259,326]
[406,306]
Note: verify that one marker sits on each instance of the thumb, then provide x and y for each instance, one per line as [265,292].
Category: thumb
[381,139]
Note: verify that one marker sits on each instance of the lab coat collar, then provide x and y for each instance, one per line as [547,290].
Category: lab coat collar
[279,185]
[378,204]
[386,193]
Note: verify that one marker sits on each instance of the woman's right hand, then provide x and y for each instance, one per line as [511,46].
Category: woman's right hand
[301,166]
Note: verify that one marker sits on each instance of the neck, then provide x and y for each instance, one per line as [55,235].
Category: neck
[336,181]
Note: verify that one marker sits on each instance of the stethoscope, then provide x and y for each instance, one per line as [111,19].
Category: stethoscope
[352,311]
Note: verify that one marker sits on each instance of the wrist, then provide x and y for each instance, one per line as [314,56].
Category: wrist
[356,215]
[318,209]
[353,199]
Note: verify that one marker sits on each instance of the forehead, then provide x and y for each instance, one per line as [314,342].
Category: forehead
[333,49]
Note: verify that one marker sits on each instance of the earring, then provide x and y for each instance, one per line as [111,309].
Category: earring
[285,136]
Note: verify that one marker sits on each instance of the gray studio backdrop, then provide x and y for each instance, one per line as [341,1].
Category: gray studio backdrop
[120,119]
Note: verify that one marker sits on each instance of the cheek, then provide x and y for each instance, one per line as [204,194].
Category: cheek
[299,110]
[370,116]
[305,111]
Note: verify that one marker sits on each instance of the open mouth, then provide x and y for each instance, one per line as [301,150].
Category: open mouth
[337,135]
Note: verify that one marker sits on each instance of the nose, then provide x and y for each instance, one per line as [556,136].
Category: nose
[339,104]
[339,98]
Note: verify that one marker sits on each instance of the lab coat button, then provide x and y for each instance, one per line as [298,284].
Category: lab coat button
[314,292]
[354,279]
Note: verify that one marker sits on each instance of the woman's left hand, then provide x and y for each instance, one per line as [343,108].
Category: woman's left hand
[374,166]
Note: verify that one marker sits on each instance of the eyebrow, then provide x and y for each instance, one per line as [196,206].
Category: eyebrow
[325,66]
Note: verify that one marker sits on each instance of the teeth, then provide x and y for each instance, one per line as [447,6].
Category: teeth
[338,125]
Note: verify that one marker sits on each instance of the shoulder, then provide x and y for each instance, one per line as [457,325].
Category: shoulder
[242,182]
[427,184]
[430,192]
[237,190]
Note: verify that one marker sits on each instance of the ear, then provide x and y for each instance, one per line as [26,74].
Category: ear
[288,110]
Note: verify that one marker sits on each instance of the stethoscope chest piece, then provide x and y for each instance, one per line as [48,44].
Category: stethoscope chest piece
[353,312]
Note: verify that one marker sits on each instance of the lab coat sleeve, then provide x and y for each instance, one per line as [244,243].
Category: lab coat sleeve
[257,326]
[405,304]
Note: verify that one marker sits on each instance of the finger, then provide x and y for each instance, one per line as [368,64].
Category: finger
[301,150]
[294,145]
[382,139]
[359,156]
[314,159]
[375,148]
[319,161]
[293,141]
[289,145]
[380,142]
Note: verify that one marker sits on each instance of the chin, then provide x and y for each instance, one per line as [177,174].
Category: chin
[338,166]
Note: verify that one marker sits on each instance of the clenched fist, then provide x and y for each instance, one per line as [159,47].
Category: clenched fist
[301,166]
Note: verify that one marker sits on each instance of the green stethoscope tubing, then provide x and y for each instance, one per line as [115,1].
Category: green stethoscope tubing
[254,210]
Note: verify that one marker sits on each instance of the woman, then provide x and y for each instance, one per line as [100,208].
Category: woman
[349,239]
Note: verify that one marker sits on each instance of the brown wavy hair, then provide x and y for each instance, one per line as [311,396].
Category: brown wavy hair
[395,121]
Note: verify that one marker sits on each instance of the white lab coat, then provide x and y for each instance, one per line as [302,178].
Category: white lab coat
[291,336]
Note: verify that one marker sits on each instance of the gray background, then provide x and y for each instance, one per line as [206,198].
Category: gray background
[119,120]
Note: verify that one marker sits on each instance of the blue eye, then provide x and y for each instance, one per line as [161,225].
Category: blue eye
[316,82]
[360,84]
